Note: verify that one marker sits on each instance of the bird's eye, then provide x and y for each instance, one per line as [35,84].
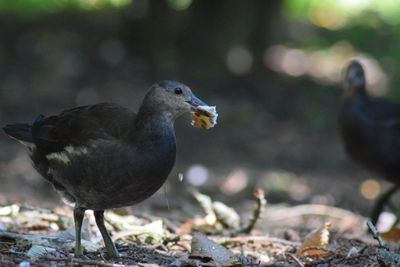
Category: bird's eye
[178,91]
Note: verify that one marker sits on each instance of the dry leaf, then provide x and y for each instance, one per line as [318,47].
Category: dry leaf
[187,226]
[315,242]
[392,235]
[11,210]
[226,215]
[155,227]
[38,251]
[217,213]
[205,252]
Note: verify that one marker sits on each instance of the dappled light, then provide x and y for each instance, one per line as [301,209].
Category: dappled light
[235,182]
[197,174]
[333,15]
[370,189]
[325,66]
[328,16]
[179,4]
[239,60]
[291,61]
[386,221]
[278,180]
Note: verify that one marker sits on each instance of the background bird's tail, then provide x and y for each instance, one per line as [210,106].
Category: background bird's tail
[19,131]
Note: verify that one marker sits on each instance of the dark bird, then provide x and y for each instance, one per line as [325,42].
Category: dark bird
[105,156]
[370,131]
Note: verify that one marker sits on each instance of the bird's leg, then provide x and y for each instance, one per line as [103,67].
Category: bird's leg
[78,218]
[110,246]
[380,203]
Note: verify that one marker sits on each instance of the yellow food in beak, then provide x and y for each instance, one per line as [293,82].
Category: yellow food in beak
[204,117]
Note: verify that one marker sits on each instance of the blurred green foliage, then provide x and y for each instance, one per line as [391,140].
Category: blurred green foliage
[371,27]
[338,13]
[35,7]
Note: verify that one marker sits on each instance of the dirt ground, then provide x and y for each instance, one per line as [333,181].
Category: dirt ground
[154,241]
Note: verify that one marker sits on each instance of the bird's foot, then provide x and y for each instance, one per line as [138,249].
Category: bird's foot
[78,253]
[112,255]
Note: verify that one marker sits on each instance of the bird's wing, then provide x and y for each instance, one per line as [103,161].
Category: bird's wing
[384,117]
[382,109]
[77,126]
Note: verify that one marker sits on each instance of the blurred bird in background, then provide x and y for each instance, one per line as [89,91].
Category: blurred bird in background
[370,131]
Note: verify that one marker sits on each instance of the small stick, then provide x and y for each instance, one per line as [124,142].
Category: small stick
[245,239]
[376,234]
[260,204]
[297,260]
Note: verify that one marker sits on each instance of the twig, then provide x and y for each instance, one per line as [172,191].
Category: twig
[260,204]
[310,209]
[375,234]
[297,260]
[384,256]
[258,239]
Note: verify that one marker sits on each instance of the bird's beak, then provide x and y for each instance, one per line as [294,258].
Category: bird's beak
[194,102]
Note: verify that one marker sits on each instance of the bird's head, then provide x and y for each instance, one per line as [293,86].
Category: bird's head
[354,77]
[173,98]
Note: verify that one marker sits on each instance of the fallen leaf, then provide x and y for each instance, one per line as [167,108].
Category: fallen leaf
[187,226]
[217,213]
[227,216]
[206,203]
[315,242]
[205,252]
[38,251]
[155,228]
[392,235]
[11,210]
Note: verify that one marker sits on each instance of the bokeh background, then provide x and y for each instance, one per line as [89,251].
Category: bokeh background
[273,69]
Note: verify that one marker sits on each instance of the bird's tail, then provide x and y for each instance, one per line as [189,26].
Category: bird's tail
[19,131]
[354,76]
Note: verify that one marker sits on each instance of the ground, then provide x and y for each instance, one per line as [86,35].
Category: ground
[305,188]
[276,239]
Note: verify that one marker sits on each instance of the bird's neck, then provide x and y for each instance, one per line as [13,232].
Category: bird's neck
[353,107]
[354,92]
[153,129]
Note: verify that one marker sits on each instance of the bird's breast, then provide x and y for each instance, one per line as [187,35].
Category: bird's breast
[112,174]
